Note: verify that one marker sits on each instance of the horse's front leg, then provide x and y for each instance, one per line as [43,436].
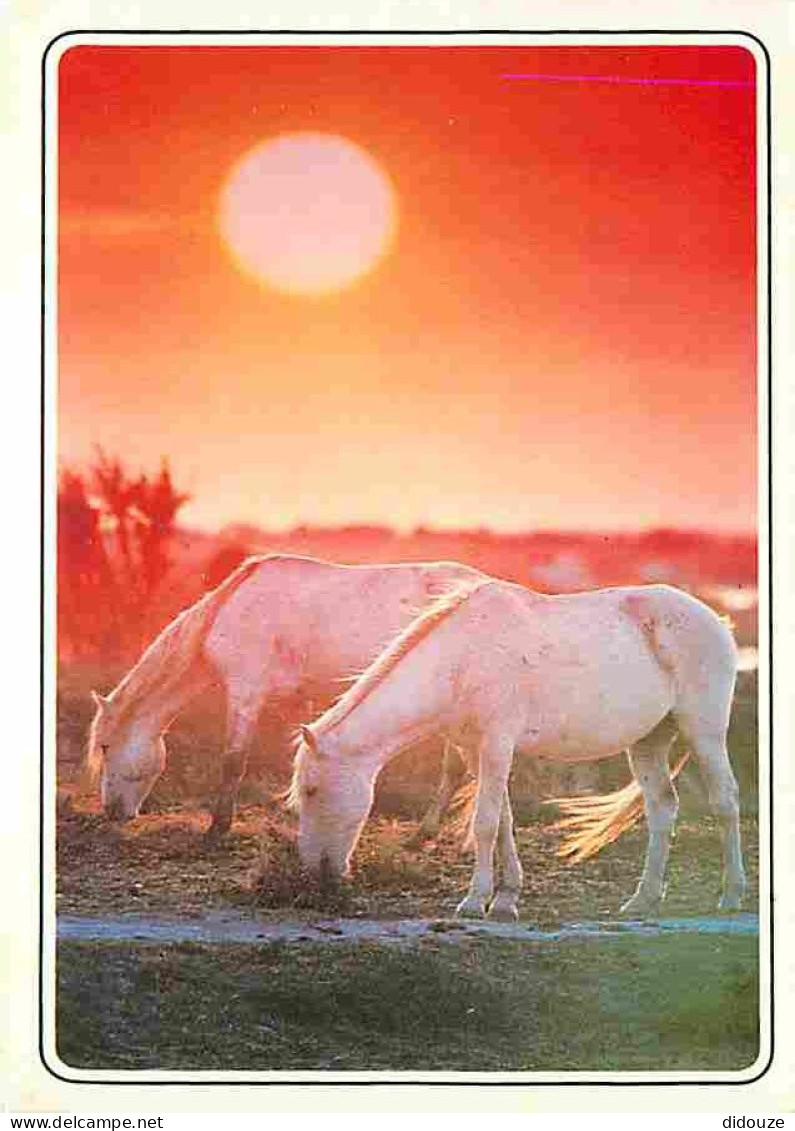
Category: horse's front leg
[505,906]
[494,767]
[243,710]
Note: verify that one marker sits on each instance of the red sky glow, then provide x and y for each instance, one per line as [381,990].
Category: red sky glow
[559,330]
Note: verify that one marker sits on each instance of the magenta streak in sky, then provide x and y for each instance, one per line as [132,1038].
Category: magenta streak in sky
[634,82]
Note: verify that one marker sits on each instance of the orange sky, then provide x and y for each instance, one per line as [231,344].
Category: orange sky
[561,334]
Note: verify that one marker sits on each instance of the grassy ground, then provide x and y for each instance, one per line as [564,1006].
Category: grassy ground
[476,1005]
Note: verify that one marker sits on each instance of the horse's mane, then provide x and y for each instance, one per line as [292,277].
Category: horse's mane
[373,675]
[401,645]
[169,657]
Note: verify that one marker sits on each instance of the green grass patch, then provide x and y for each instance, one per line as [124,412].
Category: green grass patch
[678,1003]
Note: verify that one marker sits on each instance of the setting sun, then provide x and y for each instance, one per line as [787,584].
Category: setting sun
[417,285]
[307,213]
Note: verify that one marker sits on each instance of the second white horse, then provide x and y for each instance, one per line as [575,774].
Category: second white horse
[573,678]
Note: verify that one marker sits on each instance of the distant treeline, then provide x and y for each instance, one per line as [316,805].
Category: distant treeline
[545,559]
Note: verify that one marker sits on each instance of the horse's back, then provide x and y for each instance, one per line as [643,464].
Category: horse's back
[589,673]
[672,629]
[682,631]
[302,619]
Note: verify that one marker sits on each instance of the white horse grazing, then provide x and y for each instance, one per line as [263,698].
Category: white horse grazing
[278,627]
[574,677]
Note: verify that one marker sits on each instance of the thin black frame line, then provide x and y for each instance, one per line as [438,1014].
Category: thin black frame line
[347,32]
[396,34]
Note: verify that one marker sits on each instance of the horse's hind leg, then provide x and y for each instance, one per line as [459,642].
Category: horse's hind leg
[708,741]
[505,905]
[649,762]
[453,772]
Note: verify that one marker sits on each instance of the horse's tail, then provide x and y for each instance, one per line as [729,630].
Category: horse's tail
[592,822]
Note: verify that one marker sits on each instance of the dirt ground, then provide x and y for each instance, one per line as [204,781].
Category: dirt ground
[147,977]
[160,864]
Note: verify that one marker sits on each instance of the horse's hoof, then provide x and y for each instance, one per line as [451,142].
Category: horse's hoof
[214,835]
[470,908]
[729,904]
[503,911]
[636,908]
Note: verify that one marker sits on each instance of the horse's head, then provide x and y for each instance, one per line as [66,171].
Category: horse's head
[125,760]
[333,794]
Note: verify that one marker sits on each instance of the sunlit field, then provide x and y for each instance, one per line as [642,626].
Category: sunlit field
[439,1002]
[476,1006]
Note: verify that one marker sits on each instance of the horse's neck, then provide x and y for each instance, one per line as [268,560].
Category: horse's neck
[156,710]
[407,707]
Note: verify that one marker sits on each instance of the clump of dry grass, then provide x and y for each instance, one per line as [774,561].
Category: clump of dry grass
[388,860]
[384,864]
[279,880]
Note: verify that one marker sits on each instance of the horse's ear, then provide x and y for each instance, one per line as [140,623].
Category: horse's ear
[99,700]
[310,740]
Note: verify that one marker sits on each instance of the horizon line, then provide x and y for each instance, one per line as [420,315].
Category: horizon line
[451,531]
